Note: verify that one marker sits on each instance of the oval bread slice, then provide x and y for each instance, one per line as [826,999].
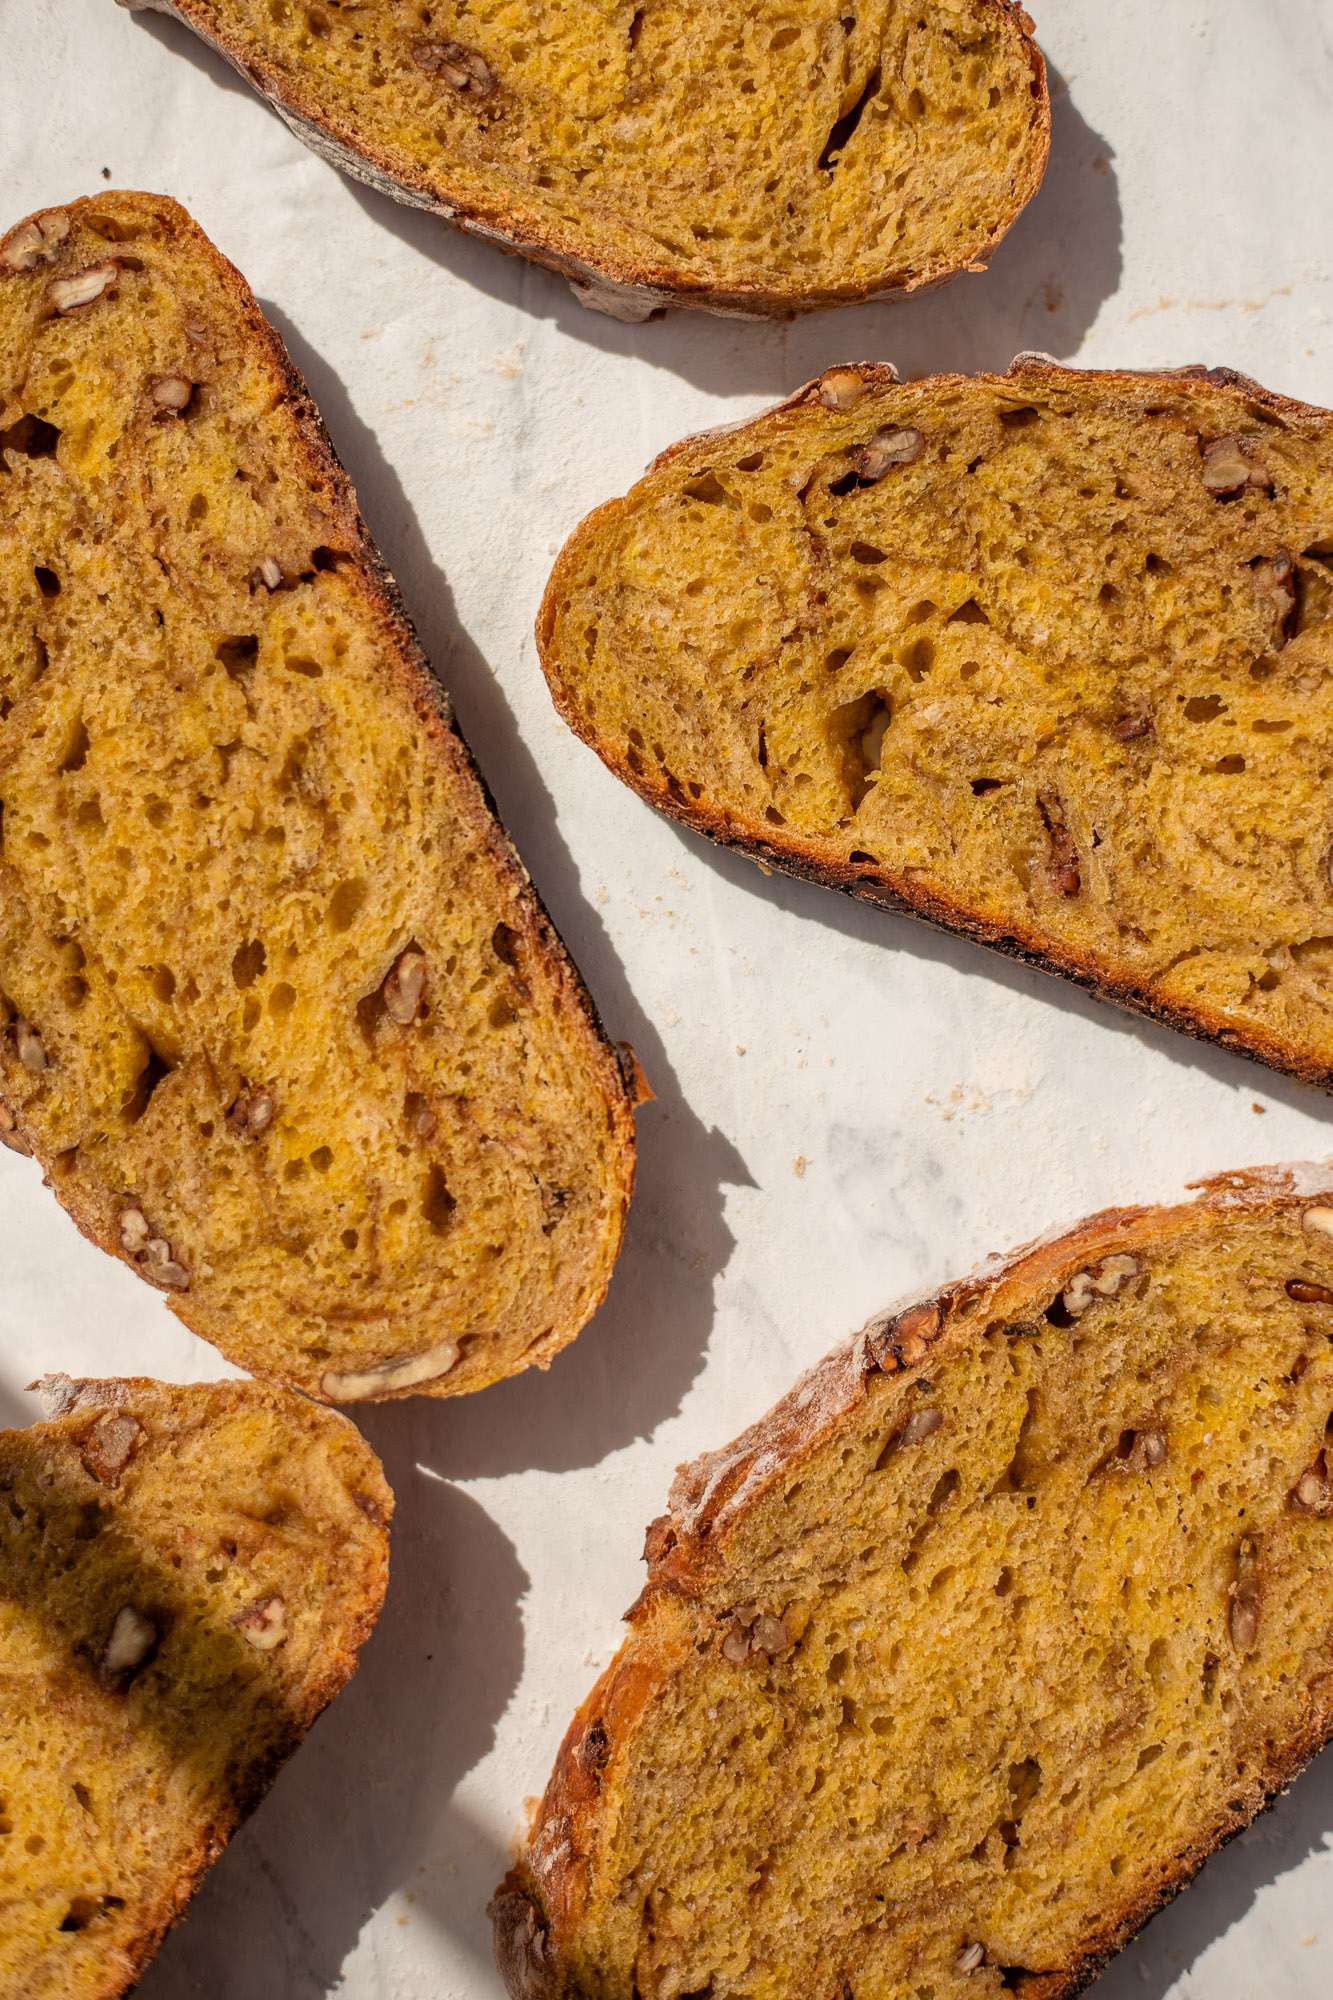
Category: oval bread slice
[1042,657]
[748,160]
[958,1664]
[280,1015]
[186,1578]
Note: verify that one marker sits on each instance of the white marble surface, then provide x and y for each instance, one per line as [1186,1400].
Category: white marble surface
[847,1104]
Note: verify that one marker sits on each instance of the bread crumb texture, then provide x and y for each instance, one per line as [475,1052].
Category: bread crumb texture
[771,155]
[279,1013]
[1044,657]
[186,1575]
[945,1677]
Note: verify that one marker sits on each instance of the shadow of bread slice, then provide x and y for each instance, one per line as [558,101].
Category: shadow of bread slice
[744,160]
[281,1016]
[960,1662]
[186,1577]
[1042,657]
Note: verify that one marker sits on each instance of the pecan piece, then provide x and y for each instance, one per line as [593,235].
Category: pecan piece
[840,388]
[352,1385]
[889,446]
[170,394]
[1312,1493]
[752,1632]
[1064,868]
[35,242]
[404,986]
[1099,1281]
[9,1132]
[1275,586]
[133,1641]
[461,68]
[1307,1294]
[1229,467]
[67,295]
[1243,1613]
[902,1342]
[263,1623]
[110,1445]
[29,1046]
[252,1113]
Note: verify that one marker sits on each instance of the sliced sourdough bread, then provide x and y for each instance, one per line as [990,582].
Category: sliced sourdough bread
[279,1012]
[958,1664]
[186,1577]
[743,158]
[1043,657]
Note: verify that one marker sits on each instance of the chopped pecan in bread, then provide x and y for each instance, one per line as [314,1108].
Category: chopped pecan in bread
[946,1676]
[186,1578]
[1061,680]
[742,158]
[280,1015]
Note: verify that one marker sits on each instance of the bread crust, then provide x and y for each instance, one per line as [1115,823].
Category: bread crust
[620,288]
[69,1403]
[871,883]
[412,677]
[543,1895]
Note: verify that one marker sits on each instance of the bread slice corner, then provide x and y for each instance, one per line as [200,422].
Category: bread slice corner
[961,1661]
[1040,657]
[659,156]
[187,1575]
[281,1017]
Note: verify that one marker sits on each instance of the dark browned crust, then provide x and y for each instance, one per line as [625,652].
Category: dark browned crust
[868,882]
[413,677]
[541,1899]
[73,1405]
[622,289]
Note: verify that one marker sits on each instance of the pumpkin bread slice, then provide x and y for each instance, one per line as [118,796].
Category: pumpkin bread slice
[186,1577]
[279,1012]
[961,1662]
[1046,658]
[744,158]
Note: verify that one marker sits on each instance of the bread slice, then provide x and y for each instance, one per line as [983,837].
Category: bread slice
[737,158]
[1042,657]
[279,1012]
[186,1577]
[959,1663]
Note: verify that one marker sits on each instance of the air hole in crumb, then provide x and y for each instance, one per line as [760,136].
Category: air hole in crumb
[300,663]
[970,613]
[32,436]
[76,755]
[248,962]
[1204,708]
[282,999]
[47,580]
[345,903]
[138,1099]
[238,654]
[918,659]
[504,943]
[350,1239]
[437,1204]
[706,486]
